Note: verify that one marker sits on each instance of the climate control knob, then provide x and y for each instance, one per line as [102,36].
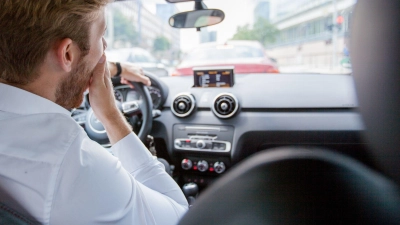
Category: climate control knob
[219,167]
[186,164]
[202,165]
[200,144]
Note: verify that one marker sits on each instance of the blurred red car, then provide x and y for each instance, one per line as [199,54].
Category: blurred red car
[245,56]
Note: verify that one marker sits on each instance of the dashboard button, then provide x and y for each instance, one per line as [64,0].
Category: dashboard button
[182,106]
[219,167]
[186,164]
[200,144]
[178,143]
[219,146]
[202,165]
[224,106]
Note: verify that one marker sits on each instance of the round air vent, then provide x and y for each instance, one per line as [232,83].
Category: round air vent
[225,105]
[182,105]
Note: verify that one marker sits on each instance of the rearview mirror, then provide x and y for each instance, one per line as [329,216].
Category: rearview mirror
[197,18]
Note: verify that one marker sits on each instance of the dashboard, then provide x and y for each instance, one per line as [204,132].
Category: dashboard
[205,131]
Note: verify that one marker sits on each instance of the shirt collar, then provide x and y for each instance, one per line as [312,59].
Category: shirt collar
[16,100]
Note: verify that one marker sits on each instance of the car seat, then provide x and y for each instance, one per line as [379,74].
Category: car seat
[9,216]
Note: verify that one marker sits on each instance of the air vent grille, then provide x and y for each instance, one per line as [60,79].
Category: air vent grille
[183,104]
[225,105]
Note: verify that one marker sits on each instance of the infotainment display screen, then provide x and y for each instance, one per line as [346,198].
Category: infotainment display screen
[214,76]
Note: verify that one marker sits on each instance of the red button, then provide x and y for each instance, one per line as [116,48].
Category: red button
[211,169]
[194,167]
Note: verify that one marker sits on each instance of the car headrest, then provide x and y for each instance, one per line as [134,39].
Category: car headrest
[375,58]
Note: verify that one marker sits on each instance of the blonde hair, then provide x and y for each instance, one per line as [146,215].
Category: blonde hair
[28,29]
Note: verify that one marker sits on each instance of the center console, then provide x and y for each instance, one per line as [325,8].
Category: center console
[203,150]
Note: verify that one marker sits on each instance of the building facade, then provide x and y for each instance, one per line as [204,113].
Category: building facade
[262,9]
[313,34]
[147,25]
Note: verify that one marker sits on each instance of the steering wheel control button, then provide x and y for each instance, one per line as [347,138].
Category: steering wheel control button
[186,164]
[200,144]
[219,167]
[183,104]
[225,105]
[130,107]
[202,165]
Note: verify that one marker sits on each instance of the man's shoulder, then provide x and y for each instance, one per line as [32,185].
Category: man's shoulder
[49,135]
[56,125]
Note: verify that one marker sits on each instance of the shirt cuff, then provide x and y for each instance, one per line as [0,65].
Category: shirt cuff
[132,153]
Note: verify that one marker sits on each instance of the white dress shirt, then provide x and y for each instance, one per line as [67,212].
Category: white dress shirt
[52,172]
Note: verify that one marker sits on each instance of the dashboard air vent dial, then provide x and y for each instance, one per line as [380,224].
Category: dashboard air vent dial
[183,104]
[225,105]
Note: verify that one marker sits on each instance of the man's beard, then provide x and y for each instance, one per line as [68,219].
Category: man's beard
[69,93]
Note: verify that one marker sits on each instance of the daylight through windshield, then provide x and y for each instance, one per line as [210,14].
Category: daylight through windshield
[264,36]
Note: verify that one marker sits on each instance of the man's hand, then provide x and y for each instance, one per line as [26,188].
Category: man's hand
[132,72]
[101,92]
[103,103]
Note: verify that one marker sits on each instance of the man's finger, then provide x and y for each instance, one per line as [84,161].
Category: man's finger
[125,81]
[107,71]
[98,72]
[107,76]
[145,80]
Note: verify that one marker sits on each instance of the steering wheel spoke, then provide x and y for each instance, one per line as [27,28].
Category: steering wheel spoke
[132,108]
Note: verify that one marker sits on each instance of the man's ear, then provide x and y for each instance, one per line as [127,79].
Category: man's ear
[67,52]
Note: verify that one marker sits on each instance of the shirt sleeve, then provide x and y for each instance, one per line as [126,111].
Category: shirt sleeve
[94,187]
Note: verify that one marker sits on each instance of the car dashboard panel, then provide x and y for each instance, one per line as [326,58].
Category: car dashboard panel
[204,131]
[273,110]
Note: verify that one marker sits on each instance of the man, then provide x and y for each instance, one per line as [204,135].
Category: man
[51,51]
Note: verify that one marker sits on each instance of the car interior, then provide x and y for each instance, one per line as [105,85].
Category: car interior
[276,149]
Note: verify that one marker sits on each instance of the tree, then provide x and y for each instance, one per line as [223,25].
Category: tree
[244,33]
[124,30]
[262,31]
[161,44]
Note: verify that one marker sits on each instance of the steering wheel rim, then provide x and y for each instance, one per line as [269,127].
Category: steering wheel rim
[96,131]
[147,111]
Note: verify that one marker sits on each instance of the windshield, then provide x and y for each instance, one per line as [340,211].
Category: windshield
[140,57]
[224,51]
[285,36]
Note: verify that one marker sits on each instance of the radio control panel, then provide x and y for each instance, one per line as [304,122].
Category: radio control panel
[197,144]
[203,138]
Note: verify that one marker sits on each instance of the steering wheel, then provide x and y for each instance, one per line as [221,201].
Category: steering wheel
[96,131]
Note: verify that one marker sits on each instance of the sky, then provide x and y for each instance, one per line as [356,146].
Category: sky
[237,13]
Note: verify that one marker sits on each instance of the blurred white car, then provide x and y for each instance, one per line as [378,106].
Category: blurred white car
[138,56]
